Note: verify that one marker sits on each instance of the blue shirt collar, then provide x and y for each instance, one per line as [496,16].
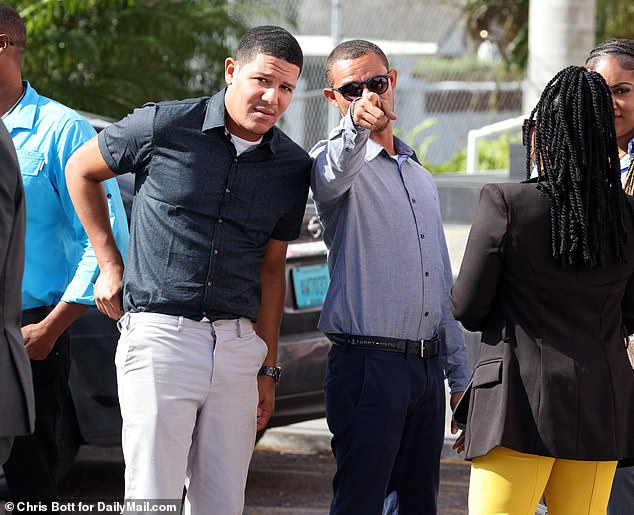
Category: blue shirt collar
[23,116]
[403,150]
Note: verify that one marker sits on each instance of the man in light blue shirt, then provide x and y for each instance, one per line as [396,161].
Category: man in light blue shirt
[387,309]
[60,265]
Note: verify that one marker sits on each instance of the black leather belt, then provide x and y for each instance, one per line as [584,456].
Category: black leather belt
[422,348]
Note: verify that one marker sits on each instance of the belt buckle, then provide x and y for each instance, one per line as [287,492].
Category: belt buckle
[422,348]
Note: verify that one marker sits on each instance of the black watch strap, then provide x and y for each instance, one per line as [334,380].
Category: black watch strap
[273,372]
[351,110]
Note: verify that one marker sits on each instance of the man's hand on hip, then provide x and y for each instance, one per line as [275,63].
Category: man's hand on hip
[266,404]
[108,291]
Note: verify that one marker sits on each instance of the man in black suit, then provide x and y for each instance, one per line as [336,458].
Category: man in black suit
[16,385]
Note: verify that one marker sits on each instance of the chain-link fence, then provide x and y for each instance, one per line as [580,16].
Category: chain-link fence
[443,89]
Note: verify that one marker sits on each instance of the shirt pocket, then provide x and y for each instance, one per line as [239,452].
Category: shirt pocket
[31,162]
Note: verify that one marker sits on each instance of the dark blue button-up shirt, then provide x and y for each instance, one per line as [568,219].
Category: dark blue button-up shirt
[202,216]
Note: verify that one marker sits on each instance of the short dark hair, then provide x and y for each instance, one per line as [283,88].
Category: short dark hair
[352,49]
[270,40]
[11,24]
[621,49]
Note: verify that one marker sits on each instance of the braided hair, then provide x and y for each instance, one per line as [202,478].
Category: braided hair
[620,49]
[575,146]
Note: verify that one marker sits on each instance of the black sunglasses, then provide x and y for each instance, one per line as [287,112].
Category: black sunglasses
[527,126]
[377,84]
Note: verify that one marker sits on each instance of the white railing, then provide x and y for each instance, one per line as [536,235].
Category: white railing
[475,134]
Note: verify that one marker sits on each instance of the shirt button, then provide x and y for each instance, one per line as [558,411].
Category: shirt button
[422,236]
[413,201]
[227,190]
[235,159]
[215,252]
[209,283]
[220,220]
[109,195]
[426,274]
[426,313]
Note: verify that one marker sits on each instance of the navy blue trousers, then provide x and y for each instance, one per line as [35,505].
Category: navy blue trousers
[622,496]
[386,412]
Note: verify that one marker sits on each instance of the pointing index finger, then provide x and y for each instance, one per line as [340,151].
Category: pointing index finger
[372,97]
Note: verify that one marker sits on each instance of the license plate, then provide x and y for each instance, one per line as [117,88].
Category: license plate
[310,284]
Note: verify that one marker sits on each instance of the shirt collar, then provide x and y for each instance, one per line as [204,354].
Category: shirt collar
[215,119]
[373,149]
[23,116]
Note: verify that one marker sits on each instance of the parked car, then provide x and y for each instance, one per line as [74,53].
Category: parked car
[93,416]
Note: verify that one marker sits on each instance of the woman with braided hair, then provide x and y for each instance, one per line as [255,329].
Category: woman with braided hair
[547,278]
[614,60]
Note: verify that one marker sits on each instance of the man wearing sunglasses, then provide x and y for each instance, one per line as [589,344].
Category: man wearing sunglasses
[386,312]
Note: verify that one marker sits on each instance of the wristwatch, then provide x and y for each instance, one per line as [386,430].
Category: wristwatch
[273,372]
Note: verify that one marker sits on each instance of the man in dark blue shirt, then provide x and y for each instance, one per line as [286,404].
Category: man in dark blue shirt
[219,193]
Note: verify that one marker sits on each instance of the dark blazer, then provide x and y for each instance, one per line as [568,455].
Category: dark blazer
[553,376]
[16,384]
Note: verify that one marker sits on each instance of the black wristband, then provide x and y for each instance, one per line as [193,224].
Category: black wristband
[273,372]
[351,110]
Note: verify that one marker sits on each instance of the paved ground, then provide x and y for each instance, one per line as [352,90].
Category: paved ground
[295,484]
[292,481]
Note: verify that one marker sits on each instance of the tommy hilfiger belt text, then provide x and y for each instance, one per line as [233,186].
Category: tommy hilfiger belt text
[422,348]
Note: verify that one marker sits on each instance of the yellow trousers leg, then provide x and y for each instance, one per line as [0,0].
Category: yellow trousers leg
[508,482]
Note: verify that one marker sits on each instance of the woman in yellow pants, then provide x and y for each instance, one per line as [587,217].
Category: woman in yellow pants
[508,481]
[547,278]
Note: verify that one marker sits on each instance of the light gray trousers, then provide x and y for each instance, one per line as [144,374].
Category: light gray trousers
[188,394]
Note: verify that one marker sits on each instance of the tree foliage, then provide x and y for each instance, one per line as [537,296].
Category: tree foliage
[506,21]
[107,56]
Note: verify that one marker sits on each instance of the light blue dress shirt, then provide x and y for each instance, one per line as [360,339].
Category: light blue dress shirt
[60,261]
[388,260]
